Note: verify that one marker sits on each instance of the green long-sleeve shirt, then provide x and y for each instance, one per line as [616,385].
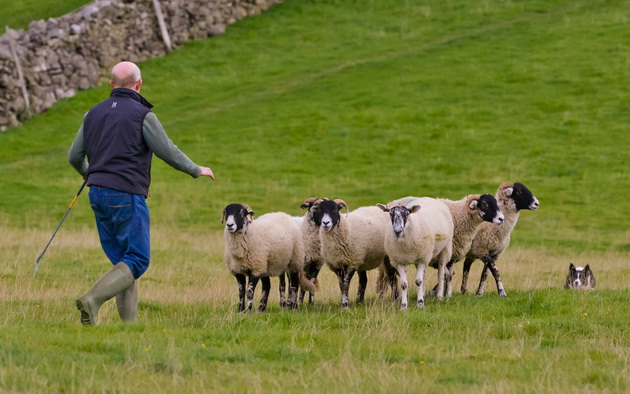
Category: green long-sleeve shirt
[155,138]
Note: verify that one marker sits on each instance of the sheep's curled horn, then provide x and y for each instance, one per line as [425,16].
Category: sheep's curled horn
[505,190]
[343,204]
[471,203]
[308,203]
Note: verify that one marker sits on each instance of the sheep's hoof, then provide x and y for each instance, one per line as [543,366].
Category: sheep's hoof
[420,304]
[283,304]
[502,293]
[344,307]
[403,307]
[479,293]
[262,308]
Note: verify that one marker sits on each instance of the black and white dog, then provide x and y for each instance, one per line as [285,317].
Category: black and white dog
[580,278]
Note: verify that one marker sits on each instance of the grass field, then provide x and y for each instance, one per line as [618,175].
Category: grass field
[366,101]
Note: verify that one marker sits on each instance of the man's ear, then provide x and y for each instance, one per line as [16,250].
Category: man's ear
[138,85]
[111,83]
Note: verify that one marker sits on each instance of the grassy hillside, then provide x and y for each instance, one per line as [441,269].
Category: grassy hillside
[369,101]
[366,101]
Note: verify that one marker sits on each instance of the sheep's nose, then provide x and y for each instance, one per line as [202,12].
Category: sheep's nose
[398,232]
[535,205]
[229,225]
[326,223]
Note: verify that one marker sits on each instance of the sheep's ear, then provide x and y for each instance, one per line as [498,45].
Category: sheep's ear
[223,216]
[250,215]
[587,268]
[384,208]
[571,267]
[414,209]
[471,204]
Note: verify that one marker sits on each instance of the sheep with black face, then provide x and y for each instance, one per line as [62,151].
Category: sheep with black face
[313,261]
[419,235]
[351,243]
[491,241]
[258,249]
[468,214]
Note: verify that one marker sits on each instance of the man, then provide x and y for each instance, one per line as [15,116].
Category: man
[119,137]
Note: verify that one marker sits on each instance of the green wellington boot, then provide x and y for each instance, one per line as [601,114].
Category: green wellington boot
[113,282]
[127,303]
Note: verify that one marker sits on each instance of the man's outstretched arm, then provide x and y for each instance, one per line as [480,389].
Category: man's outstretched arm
[163,147]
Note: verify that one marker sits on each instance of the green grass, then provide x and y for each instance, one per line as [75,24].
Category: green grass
[366,101]
[18,14]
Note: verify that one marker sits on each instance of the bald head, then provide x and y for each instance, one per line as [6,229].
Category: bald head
[126,75]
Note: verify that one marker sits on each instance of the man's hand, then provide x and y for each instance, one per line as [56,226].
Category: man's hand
[205,171]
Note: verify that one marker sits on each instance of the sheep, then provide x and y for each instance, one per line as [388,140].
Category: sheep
[468,214]
[580,278]
[351,243]
[491,241]
[419,239]
[312,246]
[268,246]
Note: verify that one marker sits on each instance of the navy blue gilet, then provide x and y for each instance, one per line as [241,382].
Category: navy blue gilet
[118,156]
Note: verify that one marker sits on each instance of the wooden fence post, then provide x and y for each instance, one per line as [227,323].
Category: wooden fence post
[21,80]
[160,18]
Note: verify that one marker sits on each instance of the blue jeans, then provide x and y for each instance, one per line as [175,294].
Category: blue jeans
[123,223]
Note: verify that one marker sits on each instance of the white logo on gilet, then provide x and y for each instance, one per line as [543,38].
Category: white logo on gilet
[114,104]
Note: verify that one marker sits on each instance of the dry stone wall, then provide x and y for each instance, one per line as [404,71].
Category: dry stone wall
[55,58]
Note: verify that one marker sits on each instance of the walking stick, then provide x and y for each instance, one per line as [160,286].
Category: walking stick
[60,223]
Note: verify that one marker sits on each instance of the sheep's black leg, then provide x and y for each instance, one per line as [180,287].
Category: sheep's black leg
[302,294]
[340,275]
[240,278]
[484,276]
[392,278]
[363,279]
[467,264]
[448,278]
[293,287]
[283,289]
[311,270]
[315,268]
[347,277]
[497,277]
[307,268]
[251,286]
[266,287]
